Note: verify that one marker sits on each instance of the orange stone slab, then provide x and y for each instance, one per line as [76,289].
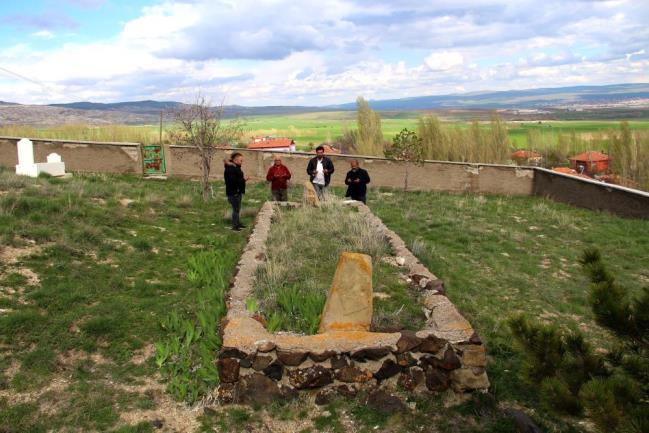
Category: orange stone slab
[349,303]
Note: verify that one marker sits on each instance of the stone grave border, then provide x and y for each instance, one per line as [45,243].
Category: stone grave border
[256,366]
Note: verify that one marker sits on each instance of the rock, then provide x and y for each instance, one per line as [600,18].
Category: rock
[408,341]
[387,370]
[232,352]
[261,362]
[265,346]
[311,377]
[290,357]
[157,424]
[353,374]
[473,355]
[437,380]
[524,424]
[228,369]
[400,261]
[385,403]
[257,389]
[339,362]
[465,379]
[289,393]
[475,338]
[349,303]
[323,356]
[410,378]
[324,396]
[347,391]
[310,196]
[405,360]
[432,344]
[274,371]
[449,361]
[247,361]
[373,354]
[436,285]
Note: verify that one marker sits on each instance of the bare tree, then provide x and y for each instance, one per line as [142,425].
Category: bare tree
[201,125]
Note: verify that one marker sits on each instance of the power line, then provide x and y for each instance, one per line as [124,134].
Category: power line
[47,87]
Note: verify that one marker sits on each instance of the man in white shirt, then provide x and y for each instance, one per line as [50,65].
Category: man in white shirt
[320,170]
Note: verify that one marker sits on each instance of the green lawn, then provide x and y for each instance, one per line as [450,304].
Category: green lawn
[79,315]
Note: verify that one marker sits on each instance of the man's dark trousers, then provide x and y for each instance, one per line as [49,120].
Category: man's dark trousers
[235,201]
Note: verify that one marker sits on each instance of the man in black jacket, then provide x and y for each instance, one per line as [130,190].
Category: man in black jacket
[356,181]
[320,170]
[235,187]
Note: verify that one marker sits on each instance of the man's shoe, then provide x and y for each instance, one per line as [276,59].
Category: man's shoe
[241,226]
[236,229]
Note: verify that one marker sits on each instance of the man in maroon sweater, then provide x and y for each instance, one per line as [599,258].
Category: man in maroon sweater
[278,176]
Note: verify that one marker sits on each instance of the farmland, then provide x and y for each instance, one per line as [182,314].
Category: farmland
[315,128]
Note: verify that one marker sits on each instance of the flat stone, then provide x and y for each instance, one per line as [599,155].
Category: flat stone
[473,355]
[349,303]
[464,379]
[228,369]
[437,380]
[386,403]
[405,359]
[321,356]
[432,344]
[449,360]
[311,377]
[258,389]
[261,362]
[372,353]
[339,362]
[265,346]
[352,374]
[310,196]
[347,391]
[325,396]
[408,341]
[387,370]
[291,358]
[274,371]
[247,361]
[445,321]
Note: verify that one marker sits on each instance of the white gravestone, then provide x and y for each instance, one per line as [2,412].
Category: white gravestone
[26,166]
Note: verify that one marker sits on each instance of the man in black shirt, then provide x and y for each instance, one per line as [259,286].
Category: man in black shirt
[235,187]
[356,181]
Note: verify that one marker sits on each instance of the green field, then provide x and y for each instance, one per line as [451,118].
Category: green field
[315,128]
[95,264]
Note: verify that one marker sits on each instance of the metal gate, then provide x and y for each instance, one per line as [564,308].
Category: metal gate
[153,158]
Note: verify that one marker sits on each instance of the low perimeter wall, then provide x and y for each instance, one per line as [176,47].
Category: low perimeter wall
[79,156]
[182,161]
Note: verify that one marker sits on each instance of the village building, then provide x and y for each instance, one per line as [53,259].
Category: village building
[527,157]
[590,163]
[272,144]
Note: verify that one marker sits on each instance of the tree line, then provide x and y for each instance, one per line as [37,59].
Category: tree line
[628,150]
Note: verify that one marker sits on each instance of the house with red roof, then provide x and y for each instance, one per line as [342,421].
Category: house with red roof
[272,144]
[590,163]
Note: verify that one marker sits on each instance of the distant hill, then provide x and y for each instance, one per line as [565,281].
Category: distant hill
[531,98]
[566,99]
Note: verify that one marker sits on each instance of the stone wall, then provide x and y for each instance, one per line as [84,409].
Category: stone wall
[182,161]
[591,194]
[430,176]
[79,156]
[256,366]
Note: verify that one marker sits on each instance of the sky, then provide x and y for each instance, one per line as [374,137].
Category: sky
[287,52]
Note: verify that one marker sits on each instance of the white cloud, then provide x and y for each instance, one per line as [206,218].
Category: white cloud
[444,60]
[260,52]
[43,34]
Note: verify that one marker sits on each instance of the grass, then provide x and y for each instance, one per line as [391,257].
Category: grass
[303,249]
[76,344]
